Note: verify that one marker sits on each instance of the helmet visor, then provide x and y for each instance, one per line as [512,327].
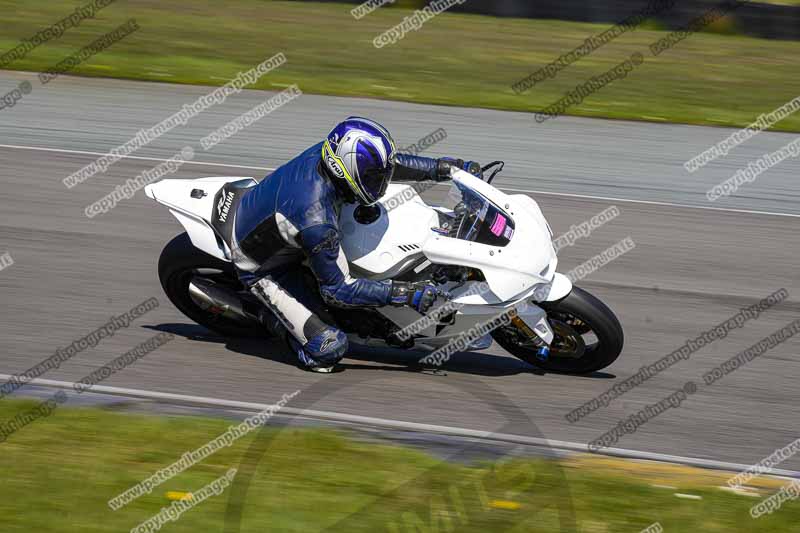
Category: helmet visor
[375,181]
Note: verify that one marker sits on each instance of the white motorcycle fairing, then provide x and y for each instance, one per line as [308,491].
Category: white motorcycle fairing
[192,212]
[403,233]
[403,238]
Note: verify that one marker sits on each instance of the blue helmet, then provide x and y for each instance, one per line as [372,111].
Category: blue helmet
[361,153]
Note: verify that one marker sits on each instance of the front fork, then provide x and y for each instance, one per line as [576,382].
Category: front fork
[536,327]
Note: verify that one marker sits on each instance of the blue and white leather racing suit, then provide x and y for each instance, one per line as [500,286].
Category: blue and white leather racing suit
[290,216]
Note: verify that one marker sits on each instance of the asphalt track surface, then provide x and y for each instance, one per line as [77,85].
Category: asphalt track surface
[693,267]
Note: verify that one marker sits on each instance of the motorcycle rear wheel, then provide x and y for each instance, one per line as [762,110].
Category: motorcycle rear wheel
[179,263]
[588,336]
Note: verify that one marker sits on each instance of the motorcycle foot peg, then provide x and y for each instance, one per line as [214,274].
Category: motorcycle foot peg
[543,353]
[432,371]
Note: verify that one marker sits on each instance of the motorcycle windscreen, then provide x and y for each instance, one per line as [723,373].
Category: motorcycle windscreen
[484,222]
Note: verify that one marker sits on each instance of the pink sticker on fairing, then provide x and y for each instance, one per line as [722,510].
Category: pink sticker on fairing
[498,225]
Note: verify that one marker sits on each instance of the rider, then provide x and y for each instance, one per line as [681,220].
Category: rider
[293,214]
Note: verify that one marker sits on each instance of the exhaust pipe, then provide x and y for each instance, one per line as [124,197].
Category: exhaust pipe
[218,300]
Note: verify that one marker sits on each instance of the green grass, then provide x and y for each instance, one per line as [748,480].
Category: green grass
[454,59]
[781,2]
[59,472]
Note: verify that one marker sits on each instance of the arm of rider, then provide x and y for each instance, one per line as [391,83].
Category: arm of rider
[420,295]
[338,288]
[416,168]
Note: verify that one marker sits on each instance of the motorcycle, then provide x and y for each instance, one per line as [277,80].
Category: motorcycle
[490,252]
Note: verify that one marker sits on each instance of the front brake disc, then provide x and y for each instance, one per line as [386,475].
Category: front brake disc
[567,342]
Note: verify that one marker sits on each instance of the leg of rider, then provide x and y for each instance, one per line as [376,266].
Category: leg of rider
[318,345]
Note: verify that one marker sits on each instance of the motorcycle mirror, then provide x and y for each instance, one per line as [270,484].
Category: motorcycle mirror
[499,164]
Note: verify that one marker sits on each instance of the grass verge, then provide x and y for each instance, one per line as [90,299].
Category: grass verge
[454,59]
[60,471]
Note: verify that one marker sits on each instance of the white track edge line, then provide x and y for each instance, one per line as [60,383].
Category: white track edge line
[84,152]
[414,426]
[544,193]
[655,202]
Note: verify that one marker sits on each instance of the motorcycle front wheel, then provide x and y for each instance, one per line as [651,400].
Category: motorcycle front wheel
[588,336]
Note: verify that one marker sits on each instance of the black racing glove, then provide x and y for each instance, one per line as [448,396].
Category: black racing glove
[444,165]
[421,295]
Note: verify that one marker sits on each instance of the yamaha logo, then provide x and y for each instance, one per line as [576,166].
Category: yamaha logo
[224,206]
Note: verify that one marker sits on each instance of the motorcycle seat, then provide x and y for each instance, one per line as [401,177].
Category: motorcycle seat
[226,202]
